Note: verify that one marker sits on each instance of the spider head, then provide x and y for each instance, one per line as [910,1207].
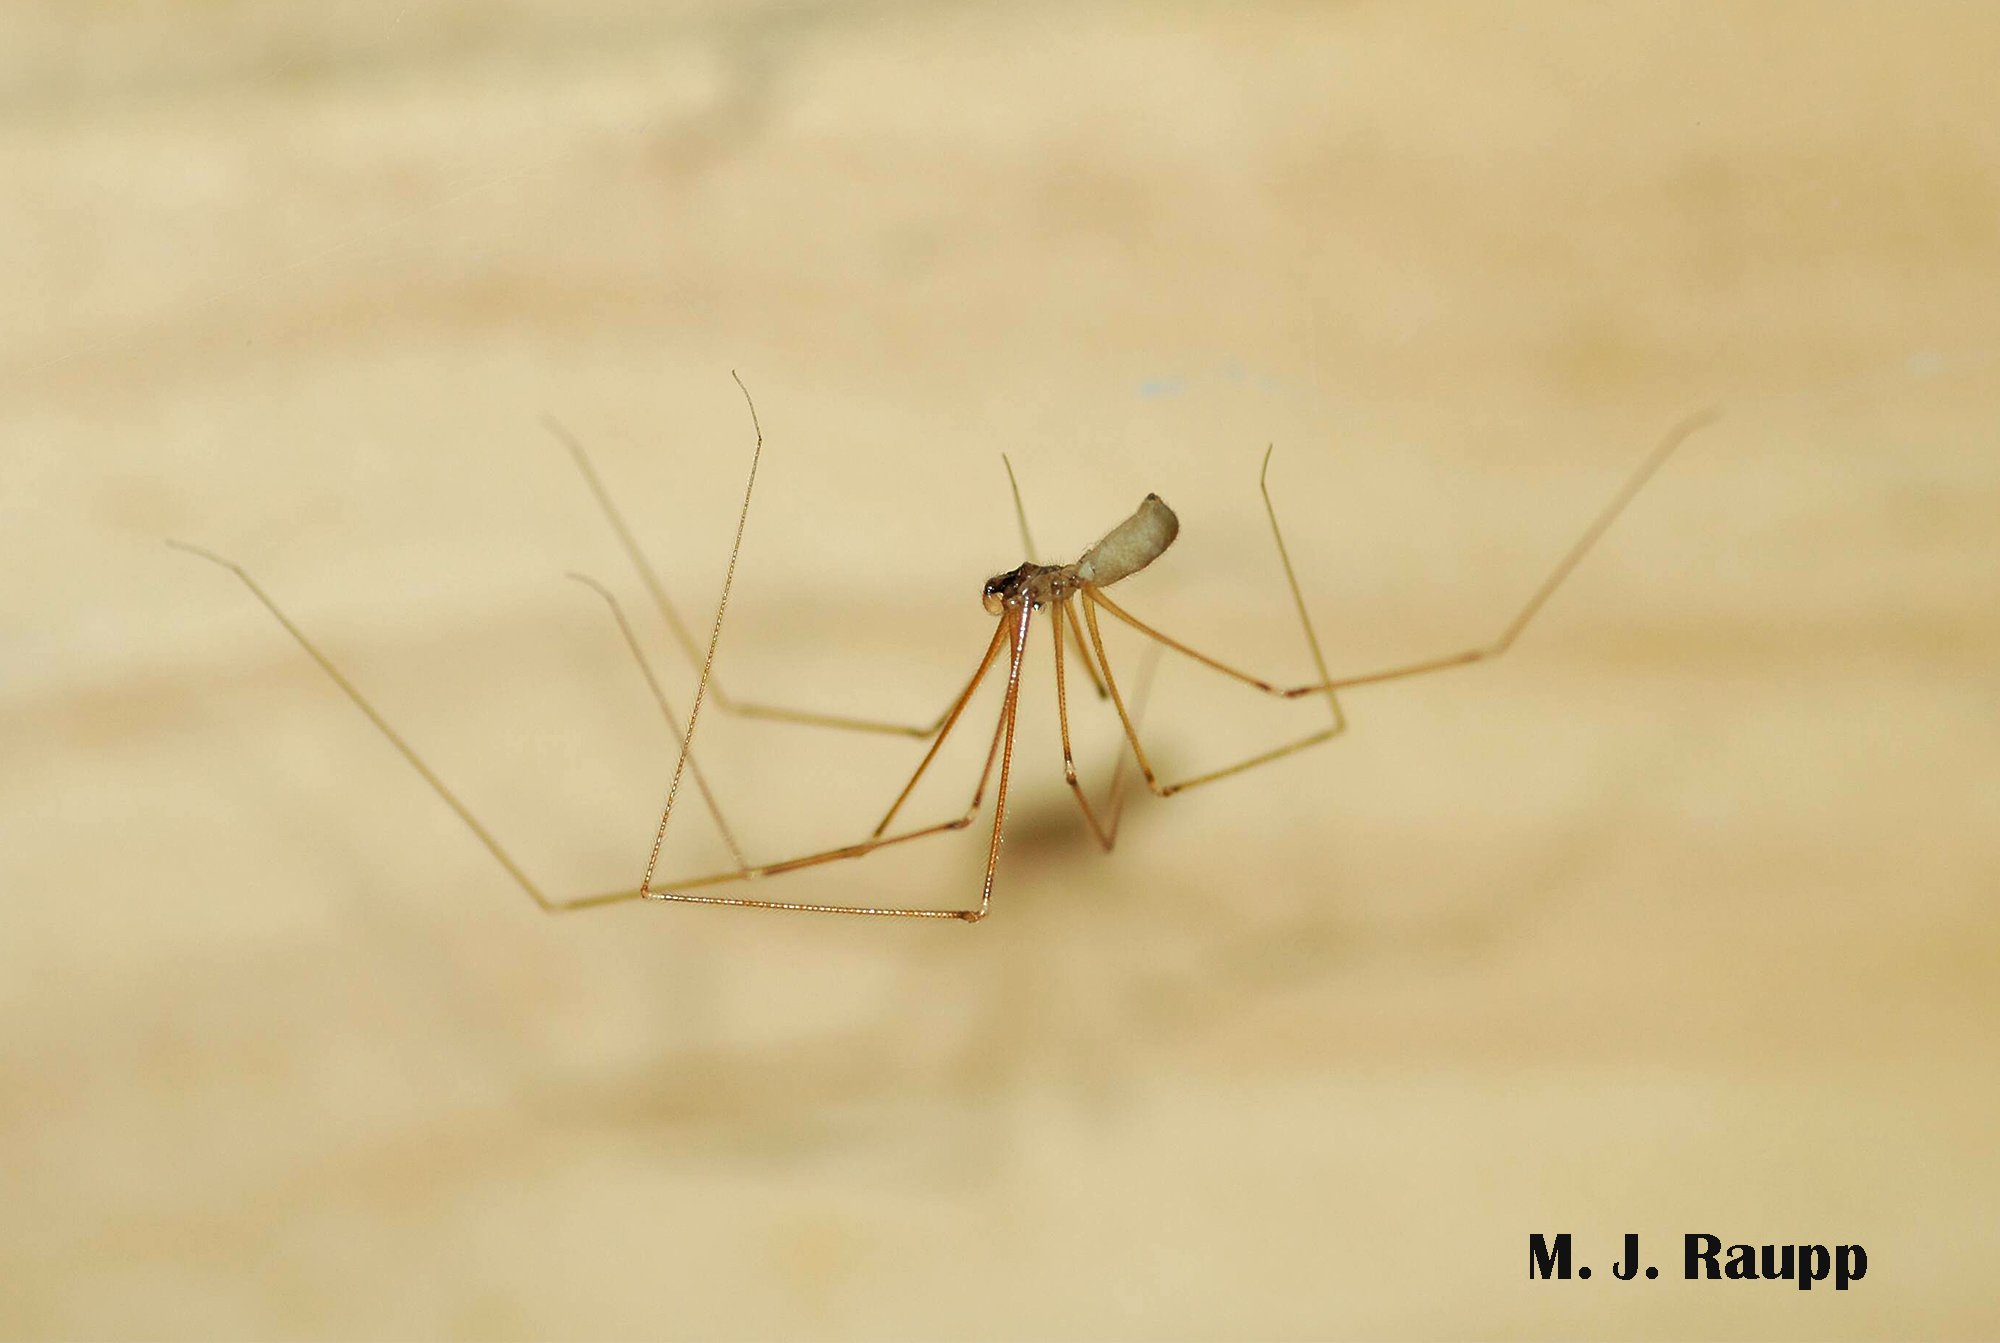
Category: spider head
[1005,590]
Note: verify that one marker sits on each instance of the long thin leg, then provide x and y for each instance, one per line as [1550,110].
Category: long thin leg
[685,638]
[666,712]
[845,851]
[1327,685]
[395,739]
[1019,636]
[1020,639]
[550,904]
[714,643]
[1599,525]
[682,761]
[1324,685]
[553,905]
[1002,747]
[1556,576]
[1082,649]
[1139,752]
[1106,834]
[1149,667]
[1020,512]
[1093,598]
[944,729]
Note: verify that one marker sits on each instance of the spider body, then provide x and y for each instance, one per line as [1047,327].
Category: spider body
[1125,550]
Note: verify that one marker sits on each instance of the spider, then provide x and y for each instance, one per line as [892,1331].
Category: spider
[1072,595]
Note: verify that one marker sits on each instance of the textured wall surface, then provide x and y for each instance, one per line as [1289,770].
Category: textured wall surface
[1679,918]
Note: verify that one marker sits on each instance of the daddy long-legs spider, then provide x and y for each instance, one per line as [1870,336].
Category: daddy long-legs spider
[1073,596]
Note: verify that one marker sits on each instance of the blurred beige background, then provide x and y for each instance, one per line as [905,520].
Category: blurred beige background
[1681,918]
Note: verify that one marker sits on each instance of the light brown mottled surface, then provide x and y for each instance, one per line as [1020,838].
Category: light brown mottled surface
[1681,918]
